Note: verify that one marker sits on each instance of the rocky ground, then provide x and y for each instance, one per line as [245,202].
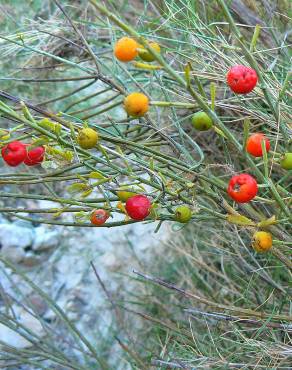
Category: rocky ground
[58,260]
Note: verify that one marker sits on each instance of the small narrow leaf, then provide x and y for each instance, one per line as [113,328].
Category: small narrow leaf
[77,188]
[96,175]
[213,95]
[239,220]
[219,132]
[246,125]
[268,222]
[188,68]
[255,37]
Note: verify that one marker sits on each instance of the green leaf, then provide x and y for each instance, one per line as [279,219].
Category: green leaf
[268,222]
[255,37]
[219,132]
[77,187]
[239,220]
[213,95]
[96,175]
[246,125]
[188,68]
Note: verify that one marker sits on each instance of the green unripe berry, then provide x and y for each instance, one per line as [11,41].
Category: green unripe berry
[183,214]
[286,161]
[201,121]
[87,138]
[145,54]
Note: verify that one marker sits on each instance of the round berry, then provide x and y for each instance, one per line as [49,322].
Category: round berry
[34,156]
[201,121]
[145,54]
[241,79]
[14,153]
[183,214]
[87,138]
[262,241]
[254,144]
[125,49]
[99,217]
[242,188]
[286,161]
[138,207]
[136,104]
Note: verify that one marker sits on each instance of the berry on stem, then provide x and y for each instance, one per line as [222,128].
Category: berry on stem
[87,138]
[241,79]
[242,188]
[145,54]
[183,214]
[286,161]
[138,207]
[125,49]
[34,156]
[99,217]
[136,104]
[254,144]
[262,241]
[14,153]
[201,121]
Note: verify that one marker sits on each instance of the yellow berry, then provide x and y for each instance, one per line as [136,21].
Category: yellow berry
[262,241]
[146,55]
[87,138]
[136,104]
[125,49]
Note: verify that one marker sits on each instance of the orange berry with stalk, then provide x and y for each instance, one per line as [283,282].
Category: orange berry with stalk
[125,49]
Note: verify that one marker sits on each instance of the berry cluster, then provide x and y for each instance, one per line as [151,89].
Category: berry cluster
[17,152]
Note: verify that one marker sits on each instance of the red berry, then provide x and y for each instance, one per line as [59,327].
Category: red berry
[14,153]
[99,217]
[242,188]
[34,156]
[242,79]
[254,144]
[138,207]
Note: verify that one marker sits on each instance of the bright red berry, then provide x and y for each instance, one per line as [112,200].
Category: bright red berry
[34,156]
[138,207]
[242,188]
[14,153]
[241,79]
[254,144]
[99,217]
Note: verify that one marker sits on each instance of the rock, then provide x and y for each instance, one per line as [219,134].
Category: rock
[45,239]
[14,254]
[12,338]
[15,236]
[14,239]
[31,260]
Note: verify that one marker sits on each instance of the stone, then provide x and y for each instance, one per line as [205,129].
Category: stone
[12,338]
[45,239]
[15,236]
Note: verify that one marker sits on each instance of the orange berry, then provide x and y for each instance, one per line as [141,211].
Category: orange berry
[136,104]
[99,217]
[125,49]
[262,241]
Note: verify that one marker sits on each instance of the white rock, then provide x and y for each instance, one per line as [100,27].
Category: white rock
[15,236]
[45,239]
[14,254]
[12,338]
